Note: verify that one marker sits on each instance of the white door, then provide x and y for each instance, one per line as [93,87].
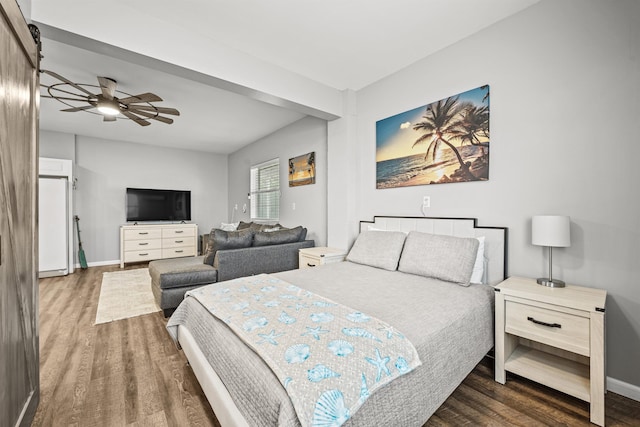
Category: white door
[53,233]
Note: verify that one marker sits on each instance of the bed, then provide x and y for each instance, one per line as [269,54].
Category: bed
[451,327]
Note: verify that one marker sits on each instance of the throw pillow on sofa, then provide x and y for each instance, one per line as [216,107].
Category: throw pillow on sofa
[256,226]
[243,225]
[220,239]
[279,237]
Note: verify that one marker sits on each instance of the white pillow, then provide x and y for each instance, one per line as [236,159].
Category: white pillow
[477,275]
[231,226]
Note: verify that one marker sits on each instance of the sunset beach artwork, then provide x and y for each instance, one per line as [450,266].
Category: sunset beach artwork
[302,170]
[445,141]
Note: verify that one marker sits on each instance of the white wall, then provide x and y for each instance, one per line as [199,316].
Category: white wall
[304,136]
[565,102]
[105,168]
[58,145]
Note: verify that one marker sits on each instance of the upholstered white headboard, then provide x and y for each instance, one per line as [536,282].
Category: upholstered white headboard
[495,237]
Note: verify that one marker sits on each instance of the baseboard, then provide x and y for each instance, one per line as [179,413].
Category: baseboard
[625,389]
[100,263]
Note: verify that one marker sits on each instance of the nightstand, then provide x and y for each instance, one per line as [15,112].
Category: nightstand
[311,257]
[554,336]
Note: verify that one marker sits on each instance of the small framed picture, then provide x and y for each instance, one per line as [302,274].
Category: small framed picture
[302,170]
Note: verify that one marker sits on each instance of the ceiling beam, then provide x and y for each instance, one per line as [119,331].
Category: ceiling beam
[255,78]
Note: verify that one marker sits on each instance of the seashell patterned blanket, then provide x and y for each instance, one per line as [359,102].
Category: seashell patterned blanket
[328,357]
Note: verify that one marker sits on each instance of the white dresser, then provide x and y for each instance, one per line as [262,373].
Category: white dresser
[157,241]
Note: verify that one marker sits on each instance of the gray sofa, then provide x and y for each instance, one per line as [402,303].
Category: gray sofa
[171,278]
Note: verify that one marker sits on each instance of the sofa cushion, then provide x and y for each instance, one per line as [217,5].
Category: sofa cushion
[180,272]
[220,239]
[279,237]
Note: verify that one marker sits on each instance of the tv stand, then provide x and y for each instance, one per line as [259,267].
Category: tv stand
[140,242]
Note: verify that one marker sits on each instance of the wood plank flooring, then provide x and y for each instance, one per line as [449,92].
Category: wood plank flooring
[129,373]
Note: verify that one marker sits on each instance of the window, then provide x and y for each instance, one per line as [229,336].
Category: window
[265,190]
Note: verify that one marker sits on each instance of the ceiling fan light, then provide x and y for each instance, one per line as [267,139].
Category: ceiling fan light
[108,107]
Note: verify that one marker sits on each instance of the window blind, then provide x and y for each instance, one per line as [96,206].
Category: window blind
[265,190]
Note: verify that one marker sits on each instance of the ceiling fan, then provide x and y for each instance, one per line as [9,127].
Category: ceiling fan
[138,108]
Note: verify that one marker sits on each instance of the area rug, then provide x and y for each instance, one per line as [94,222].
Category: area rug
[125,294]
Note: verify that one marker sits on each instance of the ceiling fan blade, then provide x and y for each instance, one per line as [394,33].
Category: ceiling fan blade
[162,110]
[59,89]
[136,119]
[64,98]
[155,117]
[108,87]
[74,109]
[143,97]
[69,82]
[108,118]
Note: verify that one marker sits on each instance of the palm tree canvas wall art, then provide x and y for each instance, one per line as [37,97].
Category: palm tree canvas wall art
[302,170]
[445,141]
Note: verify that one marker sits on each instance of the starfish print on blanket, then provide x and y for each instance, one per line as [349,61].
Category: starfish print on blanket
[270,337]
[380,363]
[315,332]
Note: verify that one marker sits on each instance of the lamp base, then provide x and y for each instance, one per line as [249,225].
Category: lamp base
[552,283]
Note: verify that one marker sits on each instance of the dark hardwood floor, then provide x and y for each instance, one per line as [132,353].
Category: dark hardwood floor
[129,373]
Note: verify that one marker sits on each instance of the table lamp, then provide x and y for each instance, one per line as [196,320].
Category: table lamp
[551,231]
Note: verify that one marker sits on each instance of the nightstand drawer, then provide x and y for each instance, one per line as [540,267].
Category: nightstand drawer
[555,328]
[308,262]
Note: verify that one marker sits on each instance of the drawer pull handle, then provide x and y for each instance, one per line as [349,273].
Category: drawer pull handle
[178,241]
[311,265]
[179,231]
[142,233]
[179,252]
[538,322]
[142,244]
[143,254]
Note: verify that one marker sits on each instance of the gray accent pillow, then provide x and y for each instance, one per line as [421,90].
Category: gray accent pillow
[243,225]
[446,258]
[220,239]
[379,249]
[279,237]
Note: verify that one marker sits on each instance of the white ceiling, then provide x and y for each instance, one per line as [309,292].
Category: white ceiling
[334,44]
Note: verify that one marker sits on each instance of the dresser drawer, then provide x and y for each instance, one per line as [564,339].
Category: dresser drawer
[142,233]
[143,255]
[178,232]
[142,244]
[177,242]
[178,252]
[555,328]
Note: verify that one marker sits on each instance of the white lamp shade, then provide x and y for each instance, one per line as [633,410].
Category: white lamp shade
[551,230]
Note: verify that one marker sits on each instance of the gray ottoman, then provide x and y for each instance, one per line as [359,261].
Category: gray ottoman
[171,278]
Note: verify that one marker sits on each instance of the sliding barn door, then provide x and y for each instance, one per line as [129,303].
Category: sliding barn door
[19,370]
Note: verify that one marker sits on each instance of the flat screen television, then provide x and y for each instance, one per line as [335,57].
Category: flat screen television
[144,204]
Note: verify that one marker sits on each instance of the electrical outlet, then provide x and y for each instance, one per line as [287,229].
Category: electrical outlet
[293,206]
[426,202]
[236,207]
